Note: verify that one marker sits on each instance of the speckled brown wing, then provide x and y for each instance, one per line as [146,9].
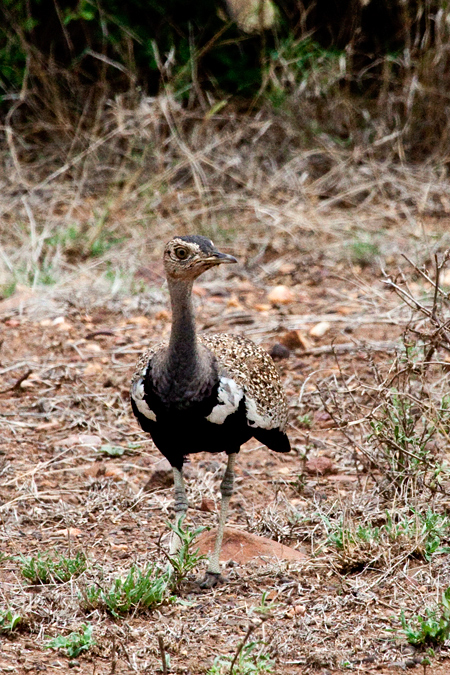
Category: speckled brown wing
[252,369]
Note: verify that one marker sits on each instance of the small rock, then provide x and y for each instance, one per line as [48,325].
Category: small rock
[296,610]
[65,327]
[397,664]
[291,339]
[319,465]
[82,439]
[114,472]
[210,465]
[445,278]
[70,532]
[96,470]
[162,476]
[320,329]
[74,664]
[142,321]
[243,546]
[281,295]
[279,352]
[323,420]
[207,505]
[93,368]
[287,268]
[162,315]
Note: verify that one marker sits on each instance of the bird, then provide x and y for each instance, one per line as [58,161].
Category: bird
[205,393]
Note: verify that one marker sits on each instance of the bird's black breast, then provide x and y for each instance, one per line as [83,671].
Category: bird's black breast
[181,427]
[180,432]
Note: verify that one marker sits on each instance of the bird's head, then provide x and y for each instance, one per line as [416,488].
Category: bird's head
[188,257]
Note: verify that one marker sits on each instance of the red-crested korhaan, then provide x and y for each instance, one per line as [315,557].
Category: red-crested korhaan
[205,393]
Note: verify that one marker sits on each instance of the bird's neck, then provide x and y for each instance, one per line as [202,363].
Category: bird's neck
[182,354]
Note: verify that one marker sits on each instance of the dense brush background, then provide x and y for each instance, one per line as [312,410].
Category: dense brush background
[360,71]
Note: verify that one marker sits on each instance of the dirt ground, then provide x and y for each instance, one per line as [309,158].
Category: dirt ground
[77,474]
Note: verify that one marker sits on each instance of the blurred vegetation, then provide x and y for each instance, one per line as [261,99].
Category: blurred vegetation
[341,65]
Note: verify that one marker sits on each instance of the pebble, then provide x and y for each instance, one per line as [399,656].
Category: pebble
[281,295]
[320,329]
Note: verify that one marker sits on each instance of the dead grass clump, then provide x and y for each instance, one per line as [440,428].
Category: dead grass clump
[403,415]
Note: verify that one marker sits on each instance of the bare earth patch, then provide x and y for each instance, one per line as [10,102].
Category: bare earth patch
[79,476]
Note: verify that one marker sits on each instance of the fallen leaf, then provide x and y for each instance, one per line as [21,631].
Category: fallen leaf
[112,450]
[119,547]
[162,315]
[292,339]
[115,473]
[234,302]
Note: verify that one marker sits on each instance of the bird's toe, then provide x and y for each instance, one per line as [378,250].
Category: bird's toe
[211,579]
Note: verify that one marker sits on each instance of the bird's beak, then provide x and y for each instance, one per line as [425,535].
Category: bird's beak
[217,258]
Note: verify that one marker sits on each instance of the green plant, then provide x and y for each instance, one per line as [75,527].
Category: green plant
[249,662]
[145,589]
[112,450]
[363,253]
[427,530]
[7,290]
[431,629]
[185,559]
[301,66]
[403,429]
[75,643]
[305,421]
[9,620]
[51,568]
[140,589]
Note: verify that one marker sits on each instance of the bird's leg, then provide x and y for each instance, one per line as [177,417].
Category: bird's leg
[181,505]
[226,490]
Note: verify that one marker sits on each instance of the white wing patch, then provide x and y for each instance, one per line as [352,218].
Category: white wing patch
[137,393]
[255,419]
[229,395]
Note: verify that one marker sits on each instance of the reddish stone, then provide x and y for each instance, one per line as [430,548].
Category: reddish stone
[319,465]
[243,546]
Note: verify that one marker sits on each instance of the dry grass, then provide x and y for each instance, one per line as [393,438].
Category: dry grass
[83,294]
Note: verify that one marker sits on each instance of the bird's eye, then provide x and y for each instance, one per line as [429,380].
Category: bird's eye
[181,253]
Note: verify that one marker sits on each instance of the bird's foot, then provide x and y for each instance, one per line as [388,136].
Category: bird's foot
[211,579]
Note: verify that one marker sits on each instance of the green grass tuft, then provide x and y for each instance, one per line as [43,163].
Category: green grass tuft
[74,643]
[51,568]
